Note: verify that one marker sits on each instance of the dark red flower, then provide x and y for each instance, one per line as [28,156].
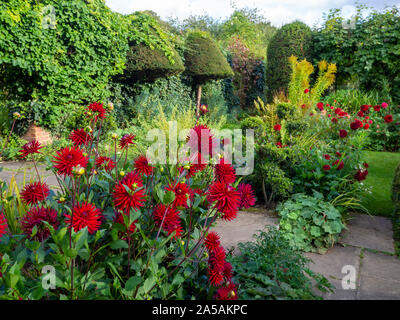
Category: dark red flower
[227,271]
[277,127]
[338,154]
[203,109]
[85,215]
[35,192]
[377,108]
[3,225]
[361,175]
[384,105]
[366,126]
[279,144]
[126,141]
[326,167]
[339,164]
[327,157]
[105,163]
[247,198]
[30,148]
[182,192]
[224,172]
[142,166]
[306,91]
[342,133]
[361,114]
[193,193]
[334,120]
[197,165]
[201,140]
[35,217]
[212,241]
[320,106]
[215,277]
[364,108]
[356,124]
[338,110]
[169,218]
[366,165]
[228,292]
[388,118]
[68,158]
[97,110]
[227,199]
[80,137]
[129,193]
[216,260]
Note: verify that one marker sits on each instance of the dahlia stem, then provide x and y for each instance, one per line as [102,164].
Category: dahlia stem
[8,138]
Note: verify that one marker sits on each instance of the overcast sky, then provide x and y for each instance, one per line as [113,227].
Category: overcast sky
[277,11]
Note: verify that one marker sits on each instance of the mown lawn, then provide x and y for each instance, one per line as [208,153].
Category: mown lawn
[381,171]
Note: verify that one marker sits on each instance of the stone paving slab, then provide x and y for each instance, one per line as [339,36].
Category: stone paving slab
[331,266]
[243,227]
[379,277]
[17,169]
[370,232]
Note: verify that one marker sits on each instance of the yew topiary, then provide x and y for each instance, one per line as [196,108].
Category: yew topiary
[292,39]
[204,61]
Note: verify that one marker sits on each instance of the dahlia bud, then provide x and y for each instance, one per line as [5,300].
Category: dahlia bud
[110,106]
[79,171]
[186,167]
[122,173]
[183,242]
[114,136]
[161,169]
[62,199]
[232,294]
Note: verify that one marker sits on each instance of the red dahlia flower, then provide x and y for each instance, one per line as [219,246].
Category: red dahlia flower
[320,106]
[361,175]
[377,108]
[224,172]
[98,110]
[3,225]
[182,192]
[342,133]
[366,126]
[105,163]
[169,218]
[326,167]
[193,193]
[215,277]
[356,124]
[364,108]
[247,198]
[384,105]
[35,217]
[197,165]
[334,120]
[361,114]
[126,141]
[68,158]
[35,192]
[200,138]
[216,260]
[339,164]
[85,215]
[142,166]
[306,91]
[227,199]
[279,144]
[227,271]
[30,148]
[212,241]
[228,292]
[277,127]
[129,193]
[388,118]
[80,137]
[366,165]
[327,157]
[203,109]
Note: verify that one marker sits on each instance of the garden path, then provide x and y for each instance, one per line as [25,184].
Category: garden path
[366,247]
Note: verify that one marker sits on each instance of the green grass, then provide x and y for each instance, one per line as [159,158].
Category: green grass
[381,171]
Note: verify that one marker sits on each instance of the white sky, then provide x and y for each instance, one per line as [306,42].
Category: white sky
[277,11]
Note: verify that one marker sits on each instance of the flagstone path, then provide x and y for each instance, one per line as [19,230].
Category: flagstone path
[364,253]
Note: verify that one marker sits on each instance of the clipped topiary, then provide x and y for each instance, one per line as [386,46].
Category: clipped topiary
[204,60]
[151,54]
[396,191]
[292,39]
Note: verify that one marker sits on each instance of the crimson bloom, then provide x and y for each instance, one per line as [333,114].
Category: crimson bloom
[35,192]
[227,199]
[129,193]
[320,106]
[364,108]
[68,158]
[200,139]
[204,109]
[356,124]
[212,241]
[388,118]
[326,167]
[334,120]
[142,166]
[98,110]
[126,141]
[327,157]
[30,148]
[80,137]
[85,215]
[277,127]
[247,198]
[377,108]
[35,217]
[228,292]
[361,175]
[198,165]
[342,133]
[279,144]
[182,192]
[224,172]
[169,218]
[306,91]
[105,163]
[3,225]
[339,164]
